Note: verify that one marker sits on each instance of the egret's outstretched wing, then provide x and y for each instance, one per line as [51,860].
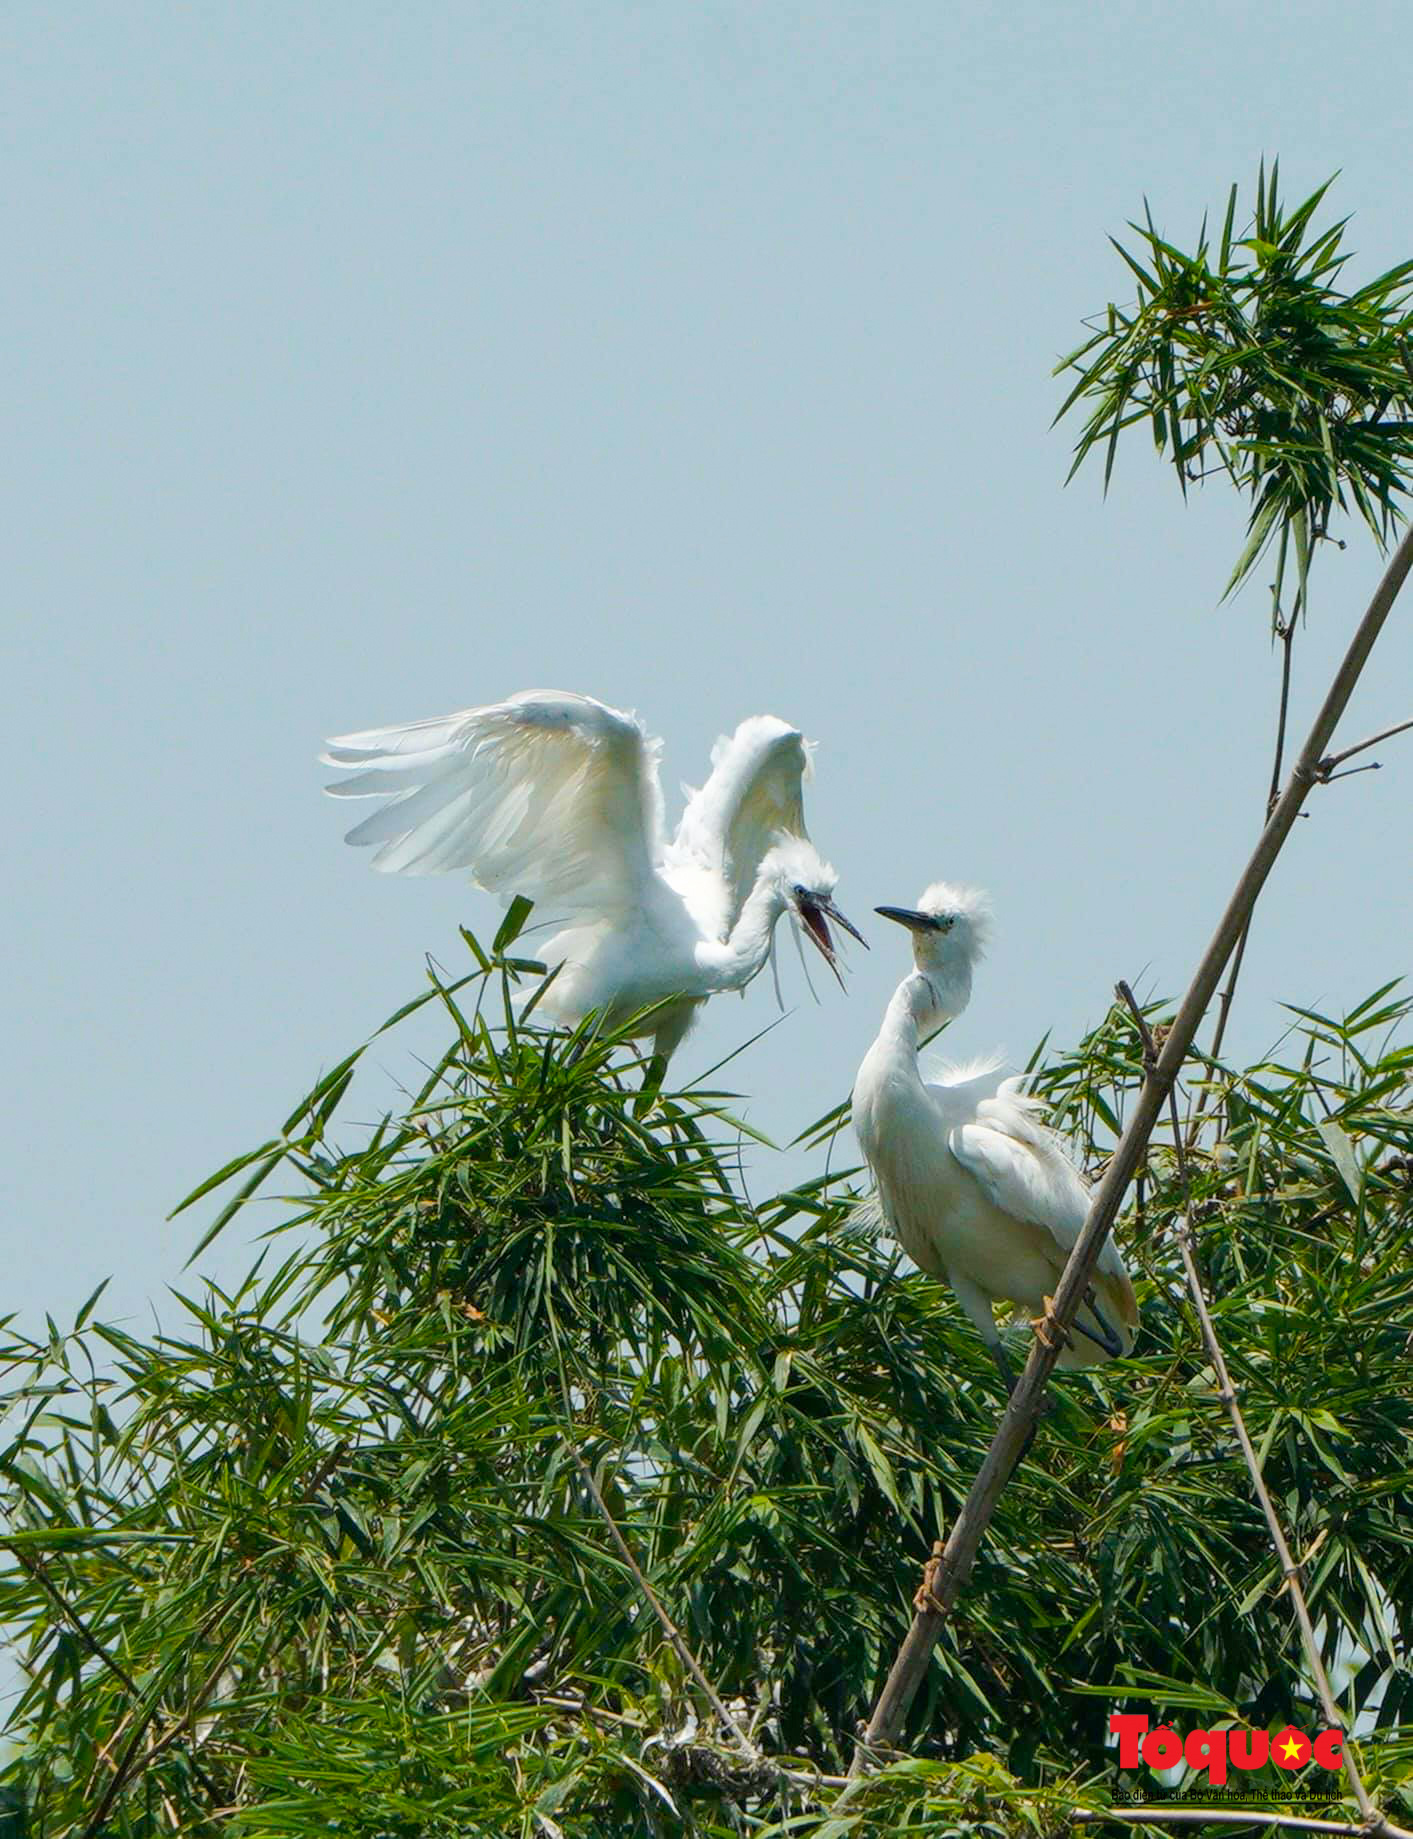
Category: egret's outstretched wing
[1022,1169]
[753,795]
[547,794]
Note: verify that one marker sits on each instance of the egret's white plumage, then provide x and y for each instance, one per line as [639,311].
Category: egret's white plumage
[556,796]
[974,1186]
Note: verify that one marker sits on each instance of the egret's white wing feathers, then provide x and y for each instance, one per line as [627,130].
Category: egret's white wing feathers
[547,794]
[1022,1168]
[754,794]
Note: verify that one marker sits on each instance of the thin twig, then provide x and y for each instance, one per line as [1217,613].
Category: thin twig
[1194,1128]
[1223,1816]
[797,1778]
[126,1767]
[1285,629]
[1373,766]
[1290,1570]
[1287,635]
[669,1627]
[1331,761]
[39,1572]
[915,1654]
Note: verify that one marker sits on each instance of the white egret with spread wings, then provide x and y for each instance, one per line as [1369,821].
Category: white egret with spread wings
[977,1190]
[556,796]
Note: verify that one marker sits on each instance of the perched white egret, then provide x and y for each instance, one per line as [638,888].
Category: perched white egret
[973,1185]
[556,796]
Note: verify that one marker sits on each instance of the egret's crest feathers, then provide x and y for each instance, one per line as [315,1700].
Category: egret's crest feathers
[970,907]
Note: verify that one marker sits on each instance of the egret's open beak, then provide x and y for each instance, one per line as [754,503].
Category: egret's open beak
[816,911]
[909,917]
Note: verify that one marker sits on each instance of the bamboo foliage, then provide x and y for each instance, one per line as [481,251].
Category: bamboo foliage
[1247,357]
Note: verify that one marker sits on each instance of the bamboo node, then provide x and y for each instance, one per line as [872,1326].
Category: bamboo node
[925,1599]
[1045,1327]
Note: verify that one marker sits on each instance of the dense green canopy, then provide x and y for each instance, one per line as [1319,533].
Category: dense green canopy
[321,1551]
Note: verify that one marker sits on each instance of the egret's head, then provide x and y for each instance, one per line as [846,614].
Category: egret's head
[950,927]
[806,884]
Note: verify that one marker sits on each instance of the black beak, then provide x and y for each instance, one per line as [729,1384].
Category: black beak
[909,917]
[827,907]
[815,911]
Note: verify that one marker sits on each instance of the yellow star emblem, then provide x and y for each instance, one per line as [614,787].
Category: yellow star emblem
[1290,1749]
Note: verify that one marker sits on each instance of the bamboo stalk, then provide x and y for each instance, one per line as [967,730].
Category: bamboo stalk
[1226,1391]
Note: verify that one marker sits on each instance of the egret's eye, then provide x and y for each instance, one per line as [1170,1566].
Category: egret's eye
[945,921]
[799,892]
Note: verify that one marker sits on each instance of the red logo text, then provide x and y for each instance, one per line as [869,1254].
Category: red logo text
[1212,1750]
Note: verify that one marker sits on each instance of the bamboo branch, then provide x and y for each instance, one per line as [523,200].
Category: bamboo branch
[1287,636]
[1331,761]
[37,1569]
[959,1554]
[39,1572]
[1373,1818]
[126,1768]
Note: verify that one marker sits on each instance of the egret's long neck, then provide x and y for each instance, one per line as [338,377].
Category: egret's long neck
[889,1095]
[888,1086]
[919,1006]
[732,962]
[904,1022]
[949,992]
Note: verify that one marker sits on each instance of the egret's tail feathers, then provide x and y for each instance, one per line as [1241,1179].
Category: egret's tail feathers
[868,1216]
[1118,1315]
[978,1070]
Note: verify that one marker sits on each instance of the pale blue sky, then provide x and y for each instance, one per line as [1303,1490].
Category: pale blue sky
[369,361]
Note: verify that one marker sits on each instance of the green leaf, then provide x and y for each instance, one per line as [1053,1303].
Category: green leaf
[1337,1142]
[513,924]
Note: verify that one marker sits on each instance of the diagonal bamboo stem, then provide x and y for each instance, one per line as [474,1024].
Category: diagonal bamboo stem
[915,1655]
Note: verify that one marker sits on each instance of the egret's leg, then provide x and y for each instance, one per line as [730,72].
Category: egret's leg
[671,1031]
[978,1307]
[1003,1365]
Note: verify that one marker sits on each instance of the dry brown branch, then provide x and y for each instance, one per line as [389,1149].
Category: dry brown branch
[914,1656]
